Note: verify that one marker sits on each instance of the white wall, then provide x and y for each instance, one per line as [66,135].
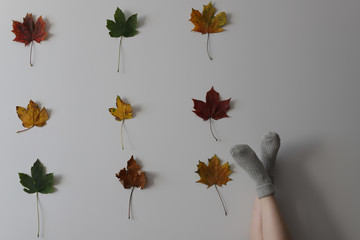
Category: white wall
[289,66]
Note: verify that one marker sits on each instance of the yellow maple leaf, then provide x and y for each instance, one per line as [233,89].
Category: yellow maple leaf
[214,174]
[123,110]
[32,116]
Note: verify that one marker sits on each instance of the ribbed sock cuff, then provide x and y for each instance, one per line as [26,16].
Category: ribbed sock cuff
[265,190]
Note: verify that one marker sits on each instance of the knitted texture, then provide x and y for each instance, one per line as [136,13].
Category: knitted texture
[246,158]
[269,146]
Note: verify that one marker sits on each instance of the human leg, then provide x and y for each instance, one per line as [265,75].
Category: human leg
[273,226]
[256,229]
[246,158]
[269,146]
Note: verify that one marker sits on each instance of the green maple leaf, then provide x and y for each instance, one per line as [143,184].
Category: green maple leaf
[121,27]
[38,182]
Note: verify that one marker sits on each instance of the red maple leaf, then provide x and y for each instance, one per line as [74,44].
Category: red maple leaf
[28,31]
[213,108]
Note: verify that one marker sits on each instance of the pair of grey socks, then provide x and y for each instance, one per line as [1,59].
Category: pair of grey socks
[262,172]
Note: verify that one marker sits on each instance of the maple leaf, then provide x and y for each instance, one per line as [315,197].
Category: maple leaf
[213,108]
[32,116]
[207,22]
[121,27]
[214,174]
[122,112]
[28,31]
[38,182]
[132,177]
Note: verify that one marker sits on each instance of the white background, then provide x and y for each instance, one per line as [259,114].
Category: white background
[289,66]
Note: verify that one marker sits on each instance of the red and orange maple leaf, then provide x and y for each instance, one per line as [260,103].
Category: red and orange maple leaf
[29,31]
[213,108]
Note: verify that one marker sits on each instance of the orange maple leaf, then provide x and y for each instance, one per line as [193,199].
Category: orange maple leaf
[214,174]
[207,22]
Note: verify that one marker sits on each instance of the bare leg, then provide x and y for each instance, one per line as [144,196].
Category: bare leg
[256,230]
[274,227]
[266,220]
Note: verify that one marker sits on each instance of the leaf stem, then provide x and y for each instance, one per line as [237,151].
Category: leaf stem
[207,46]
[122,140]
[38,217]
[222,202]
[119,54]
[212,130]
[24,129]
[31,48]
[130,199]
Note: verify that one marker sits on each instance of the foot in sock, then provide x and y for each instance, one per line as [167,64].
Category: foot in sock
[246,158]
[270,144]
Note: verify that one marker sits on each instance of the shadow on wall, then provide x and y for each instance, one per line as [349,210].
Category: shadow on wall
[300,199]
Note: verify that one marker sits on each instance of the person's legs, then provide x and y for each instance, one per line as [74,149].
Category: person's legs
[246,158]
[256,230]
[269,146]
[273,227]
[267,222]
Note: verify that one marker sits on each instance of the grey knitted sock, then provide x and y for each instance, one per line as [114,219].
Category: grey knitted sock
[270,144]
[246,158]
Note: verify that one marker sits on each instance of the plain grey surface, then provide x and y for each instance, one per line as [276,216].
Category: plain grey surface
[289,66]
